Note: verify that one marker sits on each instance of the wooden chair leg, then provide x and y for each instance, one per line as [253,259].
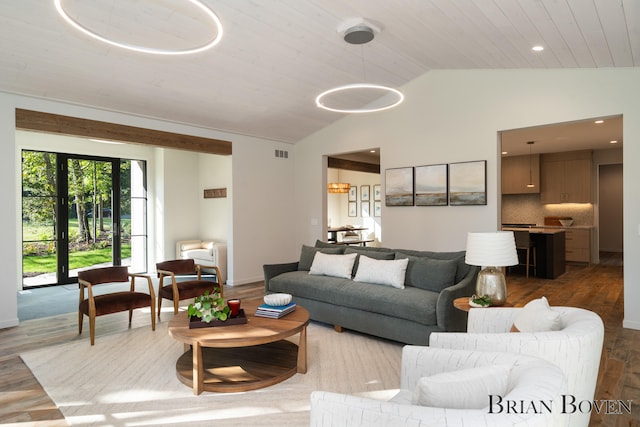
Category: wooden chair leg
[527,264]
[92,329]
[159,306]
[176,304]
[130,316]
[153,316]
[80,320]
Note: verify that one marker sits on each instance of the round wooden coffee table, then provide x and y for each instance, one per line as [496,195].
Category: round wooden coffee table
[241,357]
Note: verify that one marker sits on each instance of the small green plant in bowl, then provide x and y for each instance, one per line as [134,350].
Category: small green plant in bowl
[480,301]
[208,307]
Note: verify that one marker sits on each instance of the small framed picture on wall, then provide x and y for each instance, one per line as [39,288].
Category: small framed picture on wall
[377,208]
[364,207]
[377,193]
[364,193]
[353,193]
[353,208]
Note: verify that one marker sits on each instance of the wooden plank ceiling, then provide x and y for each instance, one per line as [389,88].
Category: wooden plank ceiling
[275,57]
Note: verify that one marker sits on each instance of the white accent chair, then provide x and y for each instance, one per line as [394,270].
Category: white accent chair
[207,253]
[531,379]
[576,348]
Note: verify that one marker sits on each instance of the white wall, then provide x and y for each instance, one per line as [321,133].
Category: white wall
[258,229]
[454,116]
[263,208]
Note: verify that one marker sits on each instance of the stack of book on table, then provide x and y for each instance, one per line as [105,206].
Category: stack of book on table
[275,311]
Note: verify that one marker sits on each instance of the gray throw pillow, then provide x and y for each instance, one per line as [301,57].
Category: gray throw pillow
[428,273]
[308,252]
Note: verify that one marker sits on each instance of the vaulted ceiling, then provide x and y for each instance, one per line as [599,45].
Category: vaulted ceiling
[275,57]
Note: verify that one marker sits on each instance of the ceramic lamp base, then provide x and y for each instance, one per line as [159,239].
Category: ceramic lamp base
[491,282]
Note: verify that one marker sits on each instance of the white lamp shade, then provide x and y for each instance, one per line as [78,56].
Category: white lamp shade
[496,249]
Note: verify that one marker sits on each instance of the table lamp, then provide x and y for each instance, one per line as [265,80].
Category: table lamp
[491,251]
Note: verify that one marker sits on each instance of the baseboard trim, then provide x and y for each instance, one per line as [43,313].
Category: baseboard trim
[628,324]
[245,281]
[9,323]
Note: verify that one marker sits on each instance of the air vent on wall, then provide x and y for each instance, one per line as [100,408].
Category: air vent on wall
[282,154]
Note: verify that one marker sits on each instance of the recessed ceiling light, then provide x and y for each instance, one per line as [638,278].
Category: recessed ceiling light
[537,48]
[372,151]
[504,152]
[613,142]
[217,25]
[598,122]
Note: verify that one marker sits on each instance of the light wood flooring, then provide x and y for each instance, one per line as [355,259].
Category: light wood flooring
[594,287]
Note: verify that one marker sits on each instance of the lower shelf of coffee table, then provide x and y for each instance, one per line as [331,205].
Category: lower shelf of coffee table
[241,368]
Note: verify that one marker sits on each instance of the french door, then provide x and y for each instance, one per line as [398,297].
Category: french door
[80,212]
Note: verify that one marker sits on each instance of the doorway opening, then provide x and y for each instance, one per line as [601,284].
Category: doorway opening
[80,212]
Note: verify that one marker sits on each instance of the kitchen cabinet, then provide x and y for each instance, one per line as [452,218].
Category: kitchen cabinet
[515,174]
[578,244]
[566,177]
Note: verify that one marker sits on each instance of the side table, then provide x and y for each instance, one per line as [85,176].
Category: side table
[462,303]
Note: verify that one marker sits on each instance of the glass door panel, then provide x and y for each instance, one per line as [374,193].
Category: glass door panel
[39,219]
[133,215]
[90,221]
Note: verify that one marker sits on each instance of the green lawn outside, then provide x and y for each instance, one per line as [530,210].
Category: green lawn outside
[48,263]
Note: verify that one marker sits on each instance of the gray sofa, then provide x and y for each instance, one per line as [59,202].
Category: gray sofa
[432,281]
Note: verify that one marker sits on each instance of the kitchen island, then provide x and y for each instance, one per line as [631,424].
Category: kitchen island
[550,250]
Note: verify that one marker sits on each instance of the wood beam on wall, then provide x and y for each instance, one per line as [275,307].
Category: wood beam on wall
[335,163]
[74,126]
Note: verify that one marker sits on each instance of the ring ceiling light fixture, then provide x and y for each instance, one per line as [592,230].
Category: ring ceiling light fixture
[358,31]
[216,24]
[359,88]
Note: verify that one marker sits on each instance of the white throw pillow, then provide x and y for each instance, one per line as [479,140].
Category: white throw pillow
[333,265]
[388,272]
[537,316]
[463,389]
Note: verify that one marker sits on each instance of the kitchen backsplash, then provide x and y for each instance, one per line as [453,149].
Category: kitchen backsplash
[527,209]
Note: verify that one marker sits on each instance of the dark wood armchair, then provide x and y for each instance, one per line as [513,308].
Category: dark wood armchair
[180,290]
[114,302]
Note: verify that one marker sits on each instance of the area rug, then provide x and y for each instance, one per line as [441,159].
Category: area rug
[129,379]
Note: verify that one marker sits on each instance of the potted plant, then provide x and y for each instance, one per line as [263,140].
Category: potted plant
[208,307]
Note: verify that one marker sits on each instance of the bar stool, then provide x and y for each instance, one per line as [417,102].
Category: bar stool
[524,243]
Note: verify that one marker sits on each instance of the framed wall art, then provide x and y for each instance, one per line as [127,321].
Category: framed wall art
[353,193]
[431,185]
[377,193]
[468,183]
[377,208]
[353,208]
[364,208]
[364,193]
[399,187]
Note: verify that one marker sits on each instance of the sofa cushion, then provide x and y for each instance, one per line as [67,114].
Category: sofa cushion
[338,265]
[378,254]
[462,269]
[462,389]
[381,272]
[198,253]
[410,303]
[428,273]
[308,252]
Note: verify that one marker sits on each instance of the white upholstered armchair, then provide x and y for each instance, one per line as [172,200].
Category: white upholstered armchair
[206,253]
[576,348]
[529,379]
